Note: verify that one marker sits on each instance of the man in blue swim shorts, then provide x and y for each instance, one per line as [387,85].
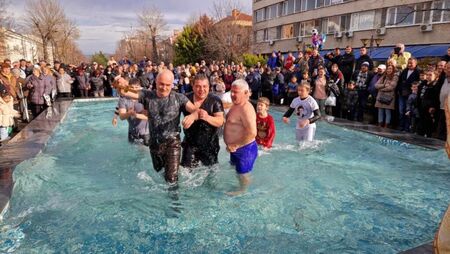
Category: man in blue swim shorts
[240,133]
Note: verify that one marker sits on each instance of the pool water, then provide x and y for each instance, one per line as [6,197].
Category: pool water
[90,191]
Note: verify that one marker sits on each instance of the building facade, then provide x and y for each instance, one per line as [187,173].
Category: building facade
[16,46]
[287,25]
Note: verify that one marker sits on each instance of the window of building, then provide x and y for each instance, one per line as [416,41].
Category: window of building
[332,25]
[272,33]
[362,20]
[287,31]
[345,22]
[291,6]
[278,32]
[266,34]
[259,14]
[441,12]
[336,1]
[320,3]
[298,5]
[401,15]
[307,27]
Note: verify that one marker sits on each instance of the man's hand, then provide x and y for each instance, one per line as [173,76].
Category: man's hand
[114,122]
[408,113]
[285,120]
[131,113]
[232,148]
[203,115]
[303,123]
[432,110]
[189,120]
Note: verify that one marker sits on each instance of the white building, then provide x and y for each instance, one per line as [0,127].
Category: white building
[16,46]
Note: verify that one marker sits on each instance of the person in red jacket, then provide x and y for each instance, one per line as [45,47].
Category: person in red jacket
[264,124]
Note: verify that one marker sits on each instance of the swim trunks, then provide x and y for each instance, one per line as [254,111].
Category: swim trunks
[244,158]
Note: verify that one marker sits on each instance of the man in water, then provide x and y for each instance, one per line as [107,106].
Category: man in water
[240,133]
[164,108]
[132,111]
[201,141]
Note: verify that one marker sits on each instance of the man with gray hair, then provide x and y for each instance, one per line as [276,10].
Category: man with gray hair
[240,133]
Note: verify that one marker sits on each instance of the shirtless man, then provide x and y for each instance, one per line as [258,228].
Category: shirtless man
[240,133]
[164,108]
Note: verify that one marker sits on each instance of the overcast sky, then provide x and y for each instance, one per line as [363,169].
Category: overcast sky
[103,22]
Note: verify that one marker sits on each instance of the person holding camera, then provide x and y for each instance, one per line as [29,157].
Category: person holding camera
[400,56]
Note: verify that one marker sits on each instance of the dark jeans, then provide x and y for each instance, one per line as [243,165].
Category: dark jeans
[426,125]
[192,155]
[166,155]
[84,93]
[36,109]
[362,103]
[403,120]
[442,125]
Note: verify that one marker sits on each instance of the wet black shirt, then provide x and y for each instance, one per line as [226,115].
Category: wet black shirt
[163,114]
[201,134]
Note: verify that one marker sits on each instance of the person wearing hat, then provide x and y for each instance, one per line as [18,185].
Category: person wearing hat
[363,57]
[362,80]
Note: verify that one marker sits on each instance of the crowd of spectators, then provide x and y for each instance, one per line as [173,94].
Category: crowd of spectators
[394,93]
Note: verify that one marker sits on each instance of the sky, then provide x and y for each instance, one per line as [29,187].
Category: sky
[102,23]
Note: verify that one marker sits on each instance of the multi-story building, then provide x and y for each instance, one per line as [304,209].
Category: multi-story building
[287,25]
[16,46]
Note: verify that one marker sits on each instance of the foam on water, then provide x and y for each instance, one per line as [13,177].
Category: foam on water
[90,191]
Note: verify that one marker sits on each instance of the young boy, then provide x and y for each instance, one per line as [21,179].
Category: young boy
[307,111]
[7,114]
[412,110]
[264,124]
[351,101]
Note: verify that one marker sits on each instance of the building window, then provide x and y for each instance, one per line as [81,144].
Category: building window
[403,16]
[266,34]
[278,32]
[345,22]
[336,2]
[259,14]
[291,6]
[442,15]
[298,5]
[306,27]
[259,37]
[287,31]
[331,25]
[362,20]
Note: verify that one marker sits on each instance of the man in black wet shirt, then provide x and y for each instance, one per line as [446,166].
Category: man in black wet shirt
[201,140]
[164,108]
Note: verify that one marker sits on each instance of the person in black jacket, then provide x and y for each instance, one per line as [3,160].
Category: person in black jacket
[364,57]
[407,77]
[428,103]
[346,63]
[267,80]
[362,80]
[446,57]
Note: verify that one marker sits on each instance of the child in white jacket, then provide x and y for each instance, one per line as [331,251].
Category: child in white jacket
[7,114]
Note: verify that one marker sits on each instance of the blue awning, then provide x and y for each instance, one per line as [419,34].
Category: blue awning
[418,51]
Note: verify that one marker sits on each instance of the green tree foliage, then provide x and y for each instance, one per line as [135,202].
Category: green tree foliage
[189,46]
[251,59]
[99,58]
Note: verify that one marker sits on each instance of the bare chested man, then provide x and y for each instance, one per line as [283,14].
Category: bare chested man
[240,133]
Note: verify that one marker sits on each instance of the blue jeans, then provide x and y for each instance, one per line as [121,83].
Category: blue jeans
[114,92]
[403,120]
[382,112]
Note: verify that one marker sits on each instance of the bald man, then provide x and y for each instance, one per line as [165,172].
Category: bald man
[164,107]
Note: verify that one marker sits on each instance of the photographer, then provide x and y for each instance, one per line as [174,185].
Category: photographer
[400,56]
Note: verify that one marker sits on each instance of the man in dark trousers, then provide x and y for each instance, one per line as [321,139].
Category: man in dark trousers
[407,77]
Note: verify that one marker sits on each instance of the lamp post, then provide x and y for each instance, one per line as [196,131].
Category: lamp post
[371,42]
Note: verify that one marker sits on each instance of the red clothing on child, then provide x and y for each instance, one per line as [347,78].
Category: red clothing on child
[266,131]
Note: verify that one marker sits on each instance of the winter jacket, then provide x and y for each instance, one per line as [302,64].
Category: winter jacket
[83,82]
[361,60]
[64,83]
[97,82]
[7,113]
[405,83]
[346,65]
[11,85]
[38,88]
[386,87]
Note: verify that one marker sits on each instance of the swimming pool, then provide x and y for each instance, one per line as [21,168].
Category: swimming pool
[90,191]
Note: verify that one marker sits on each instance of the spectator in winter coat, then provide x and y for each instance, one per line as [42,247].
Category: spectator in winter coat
[406,78]
[38,88]
[363,57]
[63,83]
[346,63]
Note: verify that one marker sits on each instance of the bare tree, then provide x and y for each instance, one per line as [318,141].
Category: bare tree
[44,18]
[66,35]
[153,22]
[223,8]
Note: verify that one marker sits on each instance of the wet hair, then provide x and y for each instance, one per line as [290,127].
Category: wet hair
[264,100]
[305,84]
[134,81]
[241,84]
[200,77]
